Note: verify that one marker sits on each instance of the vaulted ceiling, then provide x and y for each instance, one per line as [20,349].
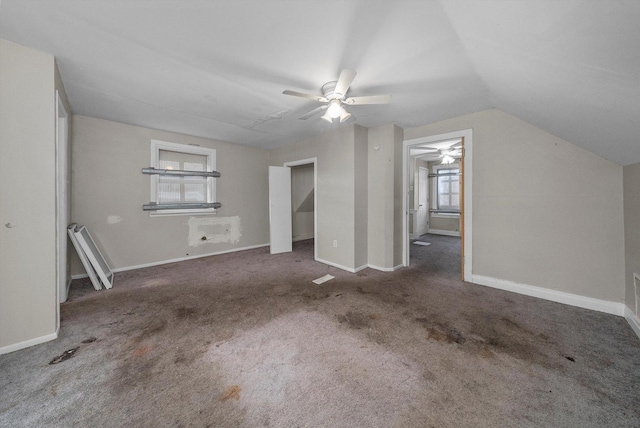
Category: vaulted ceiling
[218,68]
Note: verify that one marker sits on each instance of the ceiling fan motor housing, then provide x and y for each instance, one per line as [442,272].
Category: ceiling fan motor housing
[328,89]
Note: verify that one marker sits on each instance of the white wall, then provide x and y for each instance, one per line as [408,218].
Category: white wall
[109,190]
[632,233]
[335,191]
[27,191]
[545,212]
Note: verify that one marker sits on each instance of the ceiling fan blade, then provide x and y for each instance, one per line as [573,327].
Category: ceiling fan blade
[372,99]
[303,95]
[313,112]
[344,81]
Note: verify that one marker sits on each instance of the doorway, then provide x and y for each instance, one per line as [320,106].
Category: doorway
[293,206]
[447,160]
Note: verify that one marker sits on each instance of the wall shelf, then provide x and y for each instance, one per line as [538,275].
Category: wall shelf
[180,173]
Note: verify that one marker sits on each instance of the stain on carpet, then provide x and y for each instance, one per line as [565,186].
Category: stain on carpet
[231,393]
[355,320]
[442,332]
[185,313]
[141,351]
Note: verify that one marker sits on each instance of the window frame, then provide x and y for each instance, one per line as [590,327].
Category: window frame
[435,205]
[156,146]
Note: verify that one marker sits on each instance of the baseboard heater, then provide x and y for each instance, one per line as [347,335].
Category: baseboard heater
[91,257]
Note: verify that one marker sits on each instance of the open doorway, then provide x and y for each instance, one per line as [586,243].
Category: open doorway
[293,207]
[437,203]
[303,208]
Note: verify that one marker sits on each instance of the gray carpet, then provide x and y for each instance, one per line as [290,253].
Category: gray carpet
[247,340]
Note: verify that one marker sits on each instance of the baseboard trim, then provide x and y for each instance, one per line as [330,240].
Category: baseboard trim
[633,320]
[383,269]
[605,306]
[302,237]
[336,265]
[28,343]
[180,259]
[444,232]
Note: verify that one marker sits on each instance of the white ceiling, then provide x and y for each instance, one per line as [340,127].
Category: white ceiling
[218,68]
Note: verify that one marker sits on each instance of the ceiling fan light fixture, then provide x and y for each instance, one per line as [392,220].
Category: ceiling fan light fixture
[344,116]
[327,117]
[446,159]
[335,109]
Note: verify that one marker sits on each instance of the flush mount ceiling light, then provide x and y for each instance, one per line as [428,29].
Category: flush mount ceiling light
[335,98]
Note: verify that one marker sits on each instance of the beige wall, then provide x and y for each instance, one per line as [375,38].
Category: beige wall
[361,217]
[109,191]
[632,232]
[335,191]
[381,159]
[398,192]
[27,191]
[545,212]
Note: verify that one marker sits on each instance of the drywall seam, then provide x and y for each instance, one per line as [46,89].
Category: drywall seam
[633,320]
[599,305]
[180,259]
[28,343]
[214,230]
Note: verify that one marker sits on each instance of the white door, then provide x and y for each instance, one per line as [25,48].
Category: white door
[423,202]
[62,141]
[280,209]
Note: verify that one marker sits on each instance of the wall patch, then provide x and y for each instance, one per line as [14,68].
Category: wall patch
[113,219]
[214,230]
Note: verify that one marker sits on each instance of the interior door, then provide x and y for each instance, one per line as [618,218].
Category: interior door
[423,201]
[280,209]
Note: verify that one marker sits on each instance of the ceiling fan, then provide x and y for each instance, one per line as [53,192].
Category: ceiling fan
[335,98]
[448,151]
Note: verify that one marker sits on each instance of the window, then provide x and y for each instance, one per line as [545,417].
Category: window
[447,188]
[167,189]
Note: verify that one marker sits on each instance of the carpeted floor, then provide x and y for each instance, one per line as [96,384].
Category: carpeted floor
[246,339]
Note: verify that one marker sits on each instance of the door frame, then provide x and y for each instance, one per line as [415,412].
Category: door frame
[466,212]
[310,161]
[62,199]
[427,200]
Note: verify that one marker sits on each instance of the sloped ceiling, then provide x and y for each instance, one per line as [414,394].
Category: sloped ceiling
[217,69]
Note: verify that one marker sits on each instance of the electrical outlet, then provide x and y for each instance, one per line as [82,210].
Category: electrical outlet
[335,243]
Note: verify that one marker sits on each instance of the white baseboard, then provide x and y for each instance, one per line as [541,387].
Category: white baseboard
[599,305]
[444,232]
[633,320]
[28,343]
[352,270]
[181,259]
[383,269]
[302,237]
